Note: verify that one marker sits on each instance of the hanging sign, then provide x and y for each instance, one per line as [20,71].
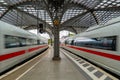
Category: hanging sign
[56,22]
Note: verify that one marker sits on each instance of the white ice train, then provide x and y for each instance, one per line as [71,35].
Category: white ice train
[99,44]
[17,45]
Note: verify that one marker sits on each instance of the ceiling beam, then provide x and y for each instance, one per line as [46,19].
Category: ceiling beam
[81,6]
[95,17]
[72,4]
[8,9]
[115,8]
[15,6]
[47,9]
[73,18]
[32,16]
[4,13]
[65,7]
[74,29]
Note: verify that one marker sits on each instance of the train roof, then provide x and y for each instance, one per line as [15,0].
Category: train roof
[113,21]
[9,29]
[93,28]
[83,39]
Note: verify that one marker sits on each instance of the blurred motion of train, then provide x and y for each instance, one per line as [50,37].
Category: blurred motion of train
[99,44]
[17,45]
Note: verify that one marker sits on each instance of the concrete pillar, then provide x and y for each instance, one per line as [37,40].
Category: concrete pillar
[56,44]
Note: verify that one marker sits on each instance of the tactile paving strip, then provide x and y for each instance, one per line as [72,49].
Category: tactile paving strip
[94,72]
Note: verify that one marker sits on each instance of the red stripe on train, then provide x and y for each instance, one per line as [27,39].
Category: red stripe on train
[115,57]
[18,53]
[11,55]
[36,48]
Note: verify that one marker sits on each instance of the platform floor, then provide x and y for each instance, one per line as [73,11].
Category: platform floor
[47,69]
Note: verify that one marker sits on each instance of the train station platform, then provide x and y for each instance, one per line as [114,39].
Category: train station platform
[46,69]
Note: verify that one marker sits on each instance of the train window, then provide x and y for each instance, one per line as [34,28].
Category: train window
[35,42]
[41,42]
[107,43]
[29,42]
[14,41]
[11,41]
[22,41]
[38,42]
[110,42]
[69,41]
[72,42]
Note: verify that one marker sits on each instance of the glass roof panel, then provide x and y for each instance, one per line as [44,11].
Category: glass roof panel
[104,16]
[2,10]
[87,3]
[15,18]
[71,13]
[11,2]
[42,14]
[94,11]
[108,3]
[19,19]
[81,21]
[3,2]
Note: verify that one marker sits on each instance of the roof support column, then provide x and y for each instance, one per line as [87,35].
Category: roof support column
[56,43]
[56,27]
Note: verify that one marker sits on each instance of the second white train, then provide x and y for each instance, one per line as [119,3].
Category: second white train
[99,44]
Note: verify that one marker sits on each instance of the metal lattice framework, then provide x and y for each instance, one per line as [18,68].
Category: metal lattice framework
[74,15]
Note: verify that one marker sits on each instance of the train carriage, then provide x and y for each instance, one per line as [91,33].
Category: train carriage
[17,45]
[99,44]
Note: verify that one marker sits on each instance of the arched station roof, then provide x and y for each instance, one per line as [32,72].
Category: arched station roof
[74,15]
